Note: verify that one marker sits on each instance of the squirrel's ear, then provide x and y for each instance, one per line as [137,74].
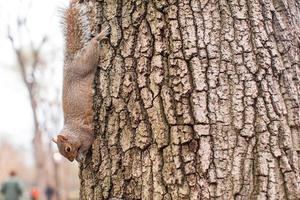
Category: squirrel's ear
[61,138]
[54,139]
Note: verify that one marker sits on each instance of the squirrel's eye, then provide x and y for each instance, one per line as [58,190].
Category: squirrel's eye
[67,149]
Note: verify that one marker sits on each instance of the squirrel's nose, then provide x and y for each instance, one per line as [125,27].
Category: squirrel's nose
[71,159]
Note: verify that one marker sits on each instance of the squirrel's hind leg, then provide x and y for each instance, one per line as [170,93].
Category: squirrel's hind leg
[89,57]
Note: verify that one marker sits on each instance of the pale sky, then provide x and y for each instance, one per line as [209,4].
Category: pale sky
[43,17]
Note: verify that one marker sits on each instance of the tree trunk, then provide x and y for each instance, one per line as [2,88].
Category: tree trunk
[196,100]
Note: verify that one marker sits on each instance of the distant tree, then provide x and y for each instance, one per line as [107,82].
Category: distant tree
[29,61]
[38,63]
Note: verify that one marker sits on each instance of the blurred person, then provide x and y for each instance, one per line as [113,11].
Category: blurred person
[49,192]
[34,193]
[12,189]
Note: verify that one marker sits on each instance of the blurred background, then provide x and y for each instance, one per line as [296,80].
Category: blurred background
[31,63]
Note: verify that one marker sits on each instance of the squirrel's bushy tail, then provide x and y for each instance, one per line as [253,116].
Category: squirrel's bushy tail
[77,29]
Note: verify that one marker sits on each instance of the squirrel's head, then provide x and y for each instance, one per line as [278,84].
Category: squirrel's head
[66,147]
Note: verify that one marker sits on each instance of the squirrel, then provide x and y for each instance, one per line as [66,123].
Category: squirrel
[81,58]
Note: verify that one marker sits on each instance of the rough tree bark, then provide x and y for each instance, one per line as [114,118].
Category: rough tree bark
[196,100]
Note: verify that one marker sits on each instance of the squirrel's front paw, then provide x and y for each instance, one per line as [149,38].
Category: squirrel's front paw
[80,157]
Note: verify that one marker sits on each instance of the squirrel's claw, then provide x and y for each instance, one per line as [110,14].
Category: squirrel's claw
[103,34]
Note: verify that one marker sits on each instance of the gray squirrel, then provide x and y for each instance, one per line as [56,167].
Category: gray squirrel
[81,58]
